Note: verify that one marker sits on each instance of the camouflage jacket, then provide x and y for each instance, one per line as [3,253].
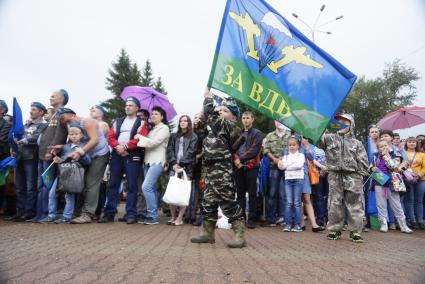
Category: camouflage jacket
[224,137]
[275,145]
[344,153]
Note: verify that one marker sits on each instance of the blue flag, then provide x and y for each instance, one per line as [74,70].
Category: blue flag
[263,61]
[370,150]
[48,177]
[5,164]
[8,162]
[17,131]
[372,209]
[380,177]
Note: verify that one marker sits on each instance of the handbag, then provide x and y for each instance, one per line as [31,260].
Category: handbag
[313,173]
[178,190]
[70,177]
[410,176]
[398,183]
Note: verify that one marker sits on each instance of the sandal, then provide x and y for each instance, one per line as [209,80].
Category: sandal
[178,223]
[171,222]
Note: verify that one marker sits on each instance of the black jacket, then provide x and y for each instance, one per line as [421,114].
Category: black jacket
[4,138]
[189,151]
[249,152]
[29,150]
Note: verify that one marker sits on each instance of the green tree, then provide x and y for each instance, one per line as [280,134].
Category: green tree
[122,74]
[147,79]
[159,86]
[371,99]
[261,122]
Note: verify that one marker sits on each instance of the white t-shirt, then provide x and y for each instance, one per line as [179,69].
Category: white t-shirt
[125,131]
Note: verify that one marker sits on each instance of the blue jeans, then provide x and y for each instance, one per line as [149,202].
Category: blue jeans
[120,166]
[419,201]
[320,201]
[293,193]
[150,190]
[68,211]
[193,202]
[53,200]
[276,195]
[43,193]
[391,217]
[26,187]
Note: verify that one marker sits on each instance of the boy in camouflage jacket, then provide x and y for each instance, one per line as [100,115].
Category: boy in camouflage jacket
[347,164]
[222,140]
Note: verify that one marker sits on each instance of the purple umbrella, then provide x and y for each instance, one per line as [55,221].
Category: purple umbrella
[149,98]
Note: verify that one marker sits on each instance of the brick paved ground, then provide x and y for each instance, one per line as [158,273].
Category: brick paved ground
[110,253]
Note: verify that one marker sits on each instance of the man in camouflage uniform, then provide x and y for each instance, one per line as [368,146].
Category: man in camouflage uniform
[274,147]
[223,139]
[347,164]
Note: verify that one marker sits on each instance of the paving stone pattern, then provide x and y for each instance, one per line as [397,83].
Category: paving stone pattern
[121,253]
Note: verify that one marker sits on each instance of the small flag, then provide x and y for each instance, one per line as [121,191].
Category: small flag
[48,177]
[380,177]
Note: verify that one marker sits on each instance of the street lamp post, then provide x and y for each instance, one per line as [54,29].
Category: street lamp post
[315,28]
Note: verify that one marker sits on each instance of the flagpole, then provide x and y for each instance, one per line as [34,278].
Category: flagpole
[48,168]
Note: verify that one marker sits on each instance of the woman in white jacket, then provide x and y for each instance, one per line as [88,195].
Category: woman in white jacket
[155,157]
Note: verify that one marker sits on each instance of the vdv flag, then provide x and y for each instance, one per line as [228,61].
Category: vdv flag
[17,130]
[48,176]
[263,61]
[380,177]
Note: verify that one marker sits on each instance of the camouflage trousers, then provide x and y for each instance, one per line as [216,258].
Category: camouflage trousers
[220,191]
[345,189]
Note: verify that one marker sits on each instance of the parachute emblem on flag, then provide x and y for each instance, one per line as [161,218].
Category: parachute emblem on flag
[272,38]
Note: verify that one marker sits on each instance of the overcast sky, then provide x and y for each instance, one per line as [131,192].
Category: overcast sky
[50,44]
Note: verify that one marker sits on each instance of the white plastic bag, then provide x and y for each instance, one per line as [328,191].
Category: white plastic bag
[223,221]
[178,190]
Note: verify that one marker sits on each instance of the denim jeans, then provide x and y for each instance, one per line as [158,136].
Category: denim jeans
[53,200]
[409,202]
[419,201]
[150,190]
[320,200]
[276,195]
[26,187]
[68,211]
[120,166]
[43,193]
[391,217]
[293,193]
[193,202]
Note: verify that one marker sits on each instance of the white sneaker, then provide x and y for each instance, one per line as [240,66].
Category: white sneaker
[279,221]
[384,228]
[404,228]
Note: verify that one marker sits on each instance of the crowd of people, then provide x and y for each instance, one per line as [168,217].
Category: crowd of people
[233,168]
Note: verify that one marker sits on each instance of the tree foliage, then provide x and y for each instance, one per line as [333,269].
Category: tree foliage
[122,74]
[147,75]
[371,99]
[159,86]
[125,73]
